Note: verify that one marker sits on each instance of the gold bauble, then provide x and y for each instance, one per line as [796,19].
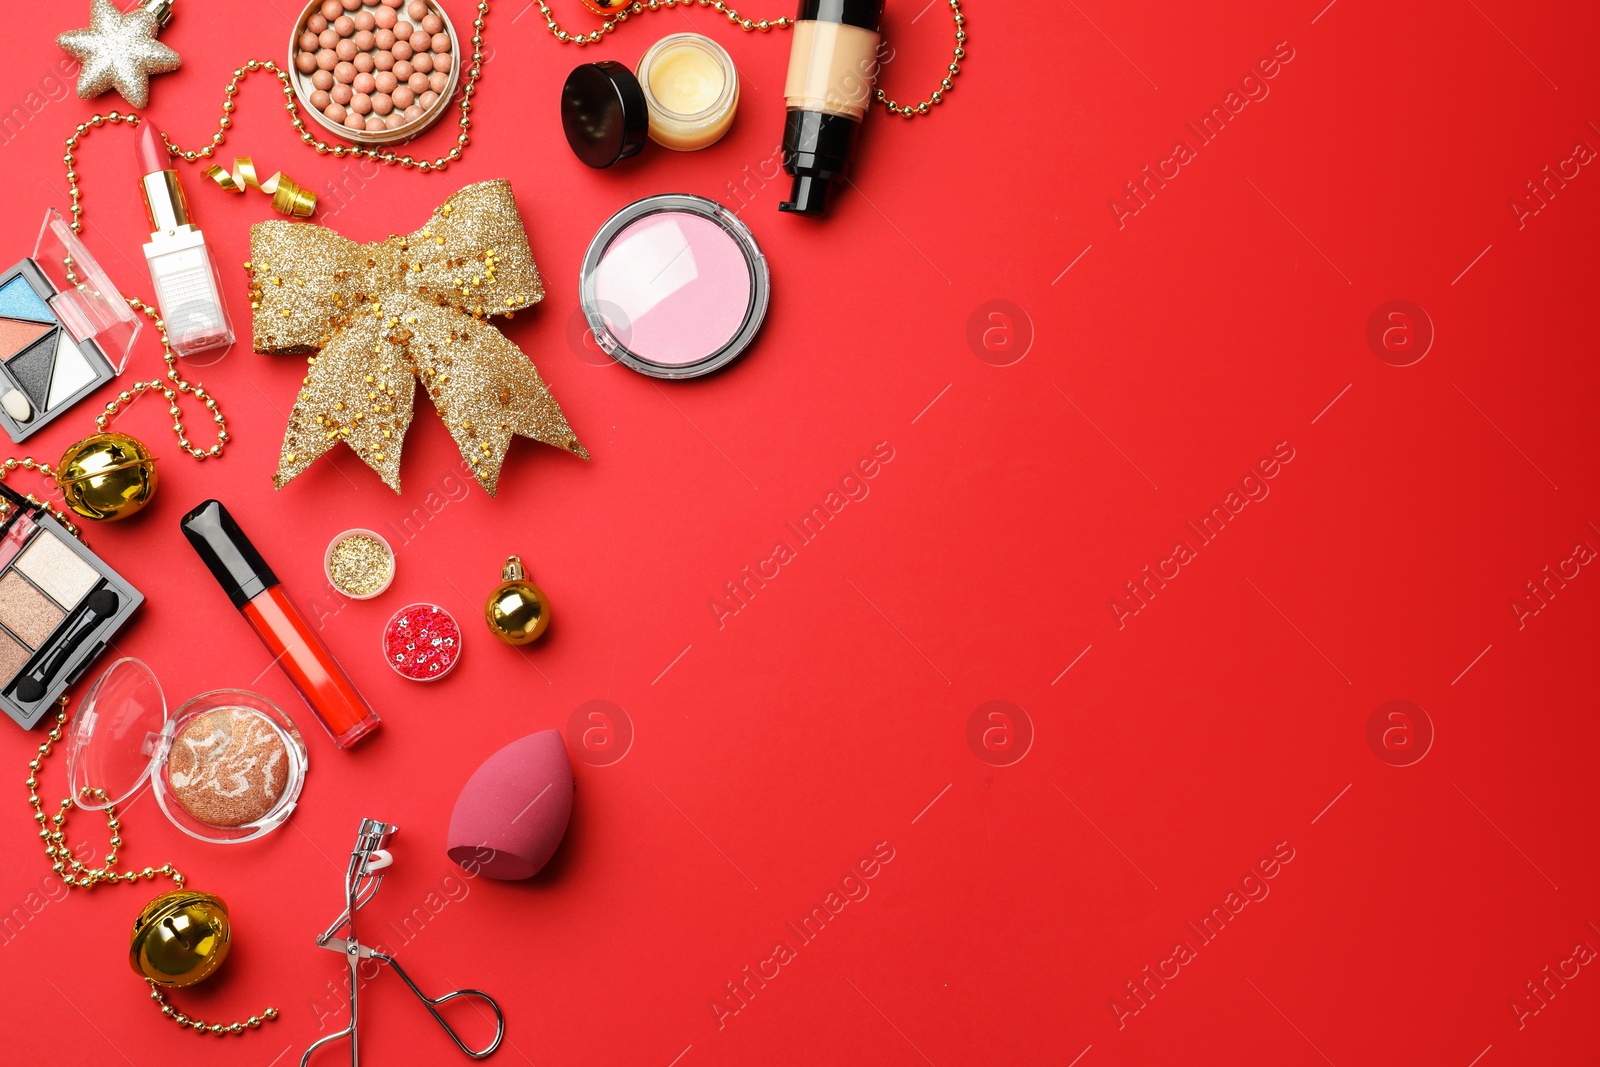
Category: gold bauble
[180,938]
[517,611]
[107,476]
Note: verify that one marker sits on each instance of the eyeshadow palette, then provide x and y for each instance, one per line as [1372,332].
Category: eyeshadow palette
[43,369]
[60,605]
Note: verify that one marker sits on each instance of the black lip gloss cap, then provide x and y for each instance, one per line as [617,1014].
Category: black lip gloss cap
[228,553]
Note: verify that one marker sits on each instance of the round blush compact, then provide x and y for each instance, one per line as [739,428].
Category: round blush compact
[674,286]
[226,767]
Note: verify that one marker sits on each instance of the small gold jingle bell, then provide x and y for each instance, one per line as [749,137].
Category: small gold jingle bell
[107,476]
[517,612]
[180,938]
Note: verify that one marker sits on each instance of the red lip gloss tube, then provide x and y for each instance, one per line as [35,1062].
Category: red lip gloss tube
[255,591]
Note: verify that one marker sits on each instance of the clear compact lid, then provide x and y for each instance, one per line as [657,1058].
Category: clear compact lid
[91,309]
[116,734]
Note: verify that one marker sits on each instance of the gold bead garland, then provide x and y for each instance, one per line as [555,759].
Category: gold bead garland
[75,874]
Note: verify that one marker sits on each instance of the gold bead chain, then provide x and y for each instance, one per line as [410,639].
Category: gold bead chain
[639,7]
[76,874]
[31,464]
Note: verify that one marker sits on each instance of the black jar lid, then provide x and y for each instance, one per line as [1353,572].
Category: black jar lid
[603,113]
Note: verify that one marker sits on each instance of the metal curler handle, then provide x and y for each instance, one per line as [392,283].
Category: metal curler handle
[432,1004]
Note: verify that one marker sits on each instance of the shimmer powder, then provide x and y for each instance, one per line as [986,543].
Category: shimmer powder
[27,612]
[228,767]
[359,564]
[674,286]
[57,570]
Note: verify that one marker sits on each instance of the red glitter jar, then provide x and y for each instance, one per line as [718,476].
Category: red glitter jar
[422,642]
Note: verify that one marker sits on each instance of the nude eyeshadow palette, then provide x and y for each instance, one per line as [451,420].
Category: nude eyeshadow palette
[60,605]
[44,368]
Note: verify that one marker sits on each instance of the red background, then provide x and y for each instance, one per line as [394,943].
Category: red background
[832,712]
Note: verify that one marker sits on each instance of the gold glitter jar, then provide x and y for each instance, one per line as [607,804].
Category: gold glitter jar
[227,766]
[359,564]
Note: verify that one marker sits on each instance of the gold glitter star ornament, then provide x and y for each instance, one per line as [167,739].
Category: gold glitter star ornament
[120,51]
[383,316]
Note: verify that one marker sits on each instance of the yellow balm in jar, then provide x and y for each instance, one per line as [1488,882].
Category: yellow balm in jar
[691,89]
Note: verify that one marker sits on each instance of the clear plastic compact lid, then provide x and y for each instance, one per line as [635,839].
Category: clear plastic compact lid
[116,734]
[91,309]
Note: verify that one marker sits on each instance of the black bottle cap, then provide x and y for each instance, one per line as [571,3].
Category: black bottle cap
[603,113]
[224,549]
[810,196]
[868,14]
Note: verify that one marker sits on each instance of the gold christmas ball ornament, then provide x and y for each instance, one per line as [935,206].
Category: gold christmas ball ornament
[517,612]
[180,938]
[107,476]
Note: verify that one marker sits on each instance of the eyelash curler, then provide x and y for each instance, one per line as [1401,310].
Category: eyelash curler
[368,861]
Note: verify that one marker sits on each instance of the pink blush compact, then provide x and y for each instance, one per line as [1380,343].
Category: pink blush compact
[674,286]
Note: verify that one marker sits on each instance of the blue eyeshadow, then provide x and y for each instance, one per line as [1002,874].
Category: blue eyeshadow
[19,301]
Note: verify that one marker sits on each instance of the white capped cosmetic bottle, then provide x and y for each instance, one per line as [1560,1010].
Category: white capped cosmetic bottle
[186,282]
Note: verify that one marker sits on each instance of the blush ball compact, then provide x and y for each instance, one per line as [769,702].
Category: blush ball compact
[674,286]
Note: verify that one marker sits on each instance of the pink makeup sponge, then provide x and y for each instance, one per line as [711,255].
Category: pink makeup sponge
[514,809]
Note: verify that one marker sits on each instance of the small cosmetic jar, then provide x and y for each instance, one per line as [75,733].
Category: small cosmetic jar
[374,71]
[682,96]
[359,564]
[226,767]
[691,89]
[422,642]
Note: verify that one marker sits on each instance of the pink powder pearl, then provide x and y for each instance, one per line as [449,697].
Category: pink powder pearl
[422,61]
[363,84]
[383,60]
[353,121]
[443,62]
[414,112]
[385,18]
[352,5]
[403,69]
[384,39]
[335,113]
[331,9]
[385,81]
[305,62]
[441,44]
[364,39]
[437,81]
[401,49]
[363,62]
[375,124]
[344,25]
[316,23]
[364,20]
[419,83]
[391,3]
[344,72]
[361,103]
[416,9]
[403,97]
[393,121]
[432,24]
[421,42]
[381,104]
[403,30]
[341,93]
[326,60]
[320,100]
[428,99]
[309,42]
[328,38]
[346,49]
[322,79]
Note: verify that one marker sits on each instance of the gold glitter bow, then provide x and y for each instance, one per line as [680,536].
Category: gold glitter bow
[382,315]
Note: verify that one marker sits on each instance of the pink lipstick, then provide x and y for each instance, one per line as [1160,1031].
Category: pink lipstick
[186,281]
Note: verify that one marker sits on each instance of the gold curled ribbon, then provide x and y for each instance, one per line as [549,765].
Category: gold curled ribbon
[383,316]
[288,197]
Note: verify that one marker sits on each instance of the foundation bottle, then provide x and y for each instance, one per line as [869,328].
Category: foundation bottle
[833,63]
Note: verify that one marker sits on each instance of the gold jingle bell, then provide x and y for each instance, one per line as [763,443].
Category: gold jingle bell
[517,611]
[107,476]
[180,938]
